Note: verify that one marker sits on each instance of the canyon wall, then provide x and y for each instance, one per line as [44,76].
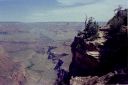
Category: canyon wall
[11,72]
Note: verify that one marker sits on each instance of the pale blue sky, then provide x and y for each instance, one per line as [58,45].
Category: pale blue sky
[57,10]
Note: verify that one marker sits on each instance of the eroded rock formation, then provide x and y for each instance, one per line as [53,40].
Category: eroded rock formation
[95,57]
[11,73]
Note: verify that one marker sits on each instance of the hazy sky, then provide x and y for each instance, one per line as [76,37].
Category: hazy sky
[57,10]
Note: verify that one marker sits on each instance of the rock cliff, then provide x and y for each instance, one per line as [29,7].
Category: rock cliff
[102,53]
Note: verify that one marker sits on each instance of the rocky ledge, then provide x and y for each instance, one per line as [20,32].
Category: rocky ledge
[101,58]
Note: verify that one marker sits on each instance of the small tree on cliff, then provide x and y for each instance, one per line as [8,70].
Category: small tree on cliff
[91,28]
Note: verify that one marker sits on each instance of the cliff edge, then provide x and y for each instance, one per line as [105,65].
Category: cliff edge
[99,54]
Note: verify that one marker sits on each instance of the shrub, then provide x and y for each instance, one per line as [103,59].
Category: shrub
[91,28]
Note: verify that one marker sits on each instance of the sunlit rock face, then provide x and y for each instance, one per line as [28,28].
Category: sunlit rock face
[11,73]
[91,80]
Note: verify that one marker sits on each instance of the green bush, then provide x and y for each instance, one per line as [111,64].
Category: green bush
[91,28]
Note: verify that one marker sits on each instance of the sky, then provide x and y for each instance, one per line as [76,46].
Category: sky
[58,10]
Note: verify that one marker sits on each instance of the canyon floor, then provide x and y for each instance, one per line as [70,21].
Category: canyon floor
[30,44]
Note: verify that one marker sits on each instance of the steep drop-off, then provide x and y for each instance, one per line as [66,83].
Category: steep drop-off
[101,58]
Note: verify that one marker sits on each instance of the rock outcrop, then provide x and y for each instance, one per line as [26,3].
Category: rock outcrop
[11,73]
[91,80]
[96,56]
